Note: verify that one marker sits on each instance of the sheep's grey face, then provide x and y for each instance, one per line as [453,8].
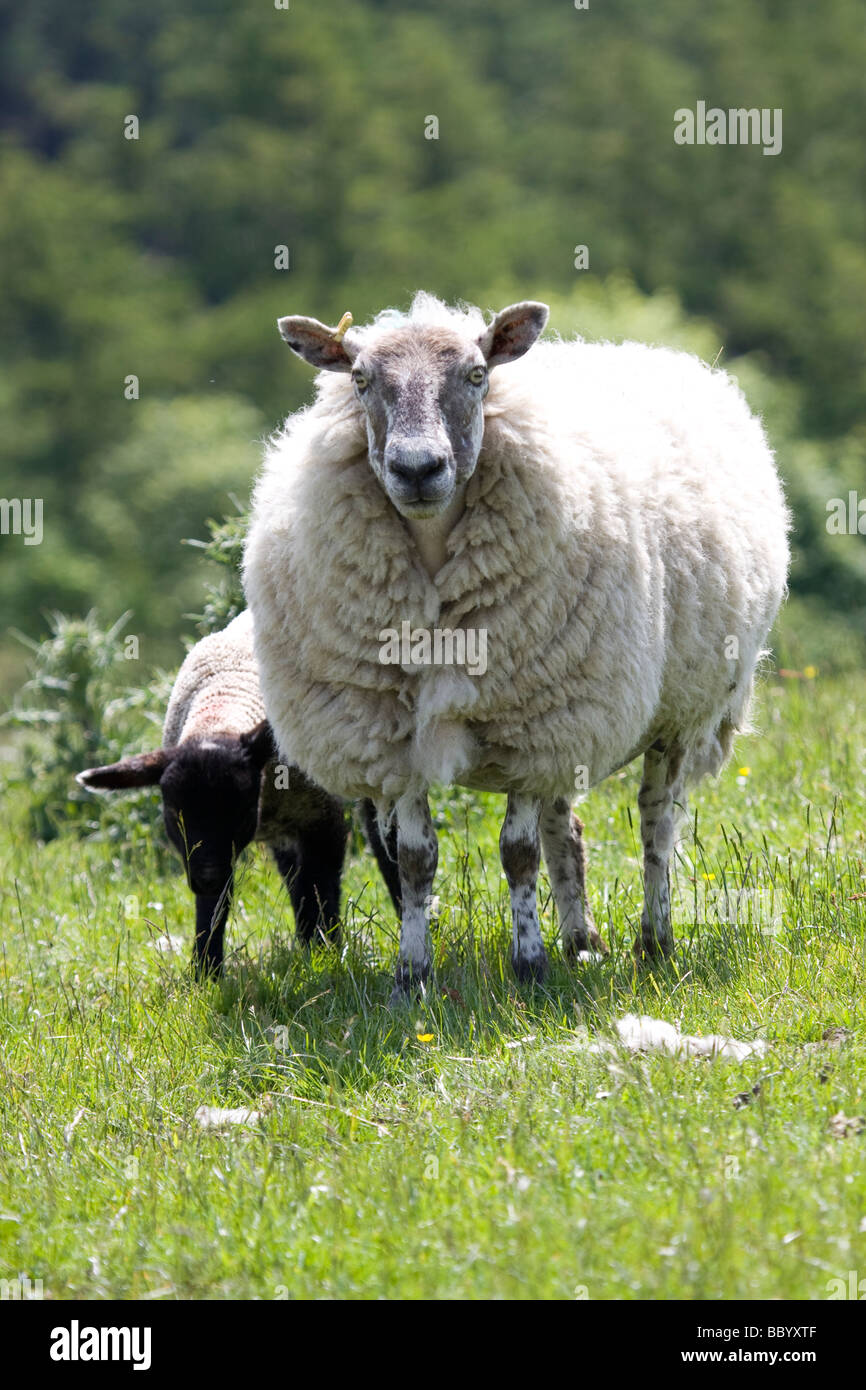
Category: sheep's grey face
[422,392]
[422,389]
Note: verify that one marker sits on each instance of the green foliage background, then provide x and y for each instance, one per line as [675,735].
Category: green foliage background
[558,1168]
[304,127]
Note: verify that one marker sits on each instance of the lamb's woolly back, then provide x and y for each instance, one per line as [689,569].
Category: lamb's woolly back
[217,690]
[624,533]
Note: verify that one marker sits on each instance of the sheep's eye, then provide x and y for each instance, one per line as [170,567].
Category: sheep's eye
[360,380]
[477,375]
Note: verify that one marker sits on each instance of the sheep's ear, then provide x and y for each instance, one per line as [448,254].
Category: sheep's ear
[332,349]
[259,743]
[144,770]
[513,332]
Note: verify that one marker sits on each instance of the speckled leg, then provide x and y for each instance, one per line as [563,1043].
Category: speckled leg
[565,857]
[519,849]
[661,787]
[417,857]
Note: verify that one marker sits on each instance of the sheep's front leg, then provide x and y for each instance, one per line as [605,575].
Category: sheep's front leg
[520,853]
[211,915]
[417,857]
[565,856]
[660,788]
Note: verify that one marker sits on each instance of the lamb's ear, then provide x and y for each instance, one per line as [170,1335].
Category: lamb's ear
[513,332]
[332,349]
[259,743]
[143,770]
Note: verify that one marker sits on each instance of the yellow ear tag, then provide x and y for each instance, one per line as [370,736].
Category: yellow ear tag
[345,323]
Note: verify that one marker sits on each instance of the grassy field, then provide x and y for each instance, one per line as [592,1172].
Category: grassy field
[471,1146]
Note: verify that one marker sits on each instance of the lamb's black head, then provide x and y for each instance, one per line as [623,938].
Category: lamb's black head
[210,798]
[210,795]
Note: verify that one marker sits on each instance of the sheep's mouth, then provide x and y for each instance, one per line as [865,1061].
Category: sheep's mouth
[417,502]
[421,510]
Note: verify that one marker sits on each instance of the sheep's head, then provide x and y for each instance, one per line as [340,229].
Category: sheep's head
[422,387]
[210,794]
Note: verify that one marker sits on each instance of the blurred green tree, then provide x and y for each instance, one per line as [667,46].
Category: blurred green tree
[159,257]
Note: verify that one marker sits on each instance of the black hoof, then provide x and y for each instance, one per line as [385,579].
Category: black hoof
[590,941]
[317,934]
[207,969]
[597,942]
[650,949]
[409,982]
[530,969]
[325,939]
[581,955]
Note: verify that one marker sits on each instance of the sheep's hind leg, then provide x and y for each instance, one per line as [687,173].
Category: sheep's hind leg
[417,857]
[660,788]
[565,857]
[520,853]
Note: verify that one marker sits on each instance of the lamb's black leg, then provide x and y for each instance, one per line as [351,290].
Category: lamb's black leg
[384,850]
[211,914]
[288,861]
[314,877]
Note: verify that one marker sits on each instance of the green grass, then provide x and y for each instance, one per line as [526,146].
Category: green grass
[500,1158]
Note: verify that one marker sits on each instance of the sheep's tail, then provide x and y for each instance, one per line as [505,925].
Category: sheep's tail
[708,755]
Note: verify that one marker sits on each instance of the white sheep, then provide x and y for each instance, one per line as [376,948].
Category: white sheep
[611,519]
[221,789]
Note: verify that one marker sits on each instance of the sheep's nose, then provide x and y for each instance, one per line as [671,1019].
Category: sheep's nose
[418,466]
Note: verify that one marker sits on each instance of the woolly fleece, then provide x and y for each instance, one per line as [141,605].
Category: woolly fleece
[624,523]
[217,689]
